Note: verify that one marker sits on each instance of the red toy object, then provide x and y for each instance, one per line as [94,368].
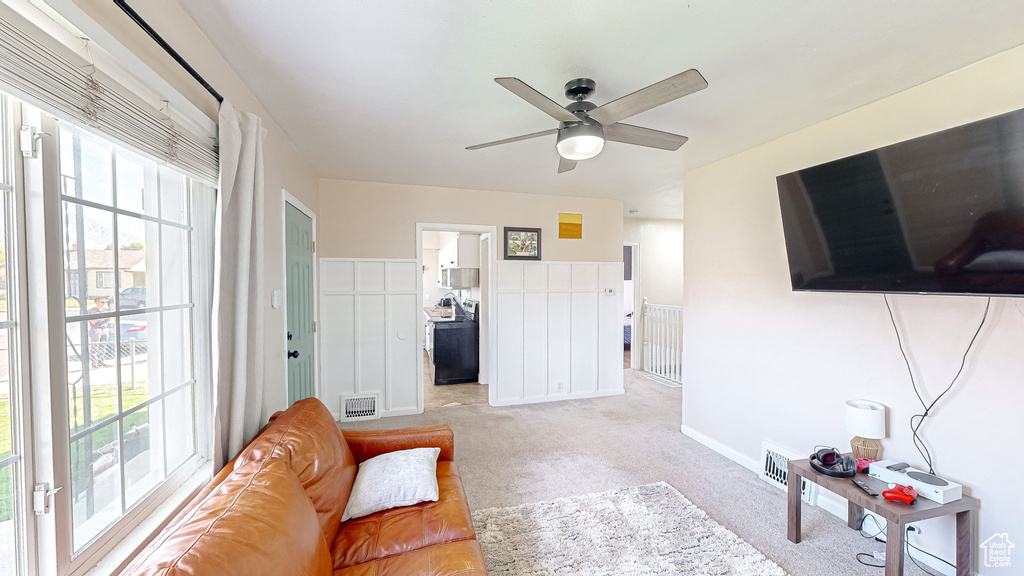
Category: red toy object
[901,493]
[863,463]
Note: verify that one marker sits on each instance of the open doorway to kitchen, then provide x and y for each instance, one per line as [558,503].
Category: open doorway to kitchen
[457,264]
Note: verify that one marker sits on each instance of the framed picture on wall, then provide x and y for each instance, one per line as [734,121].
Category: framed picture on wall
[522,243]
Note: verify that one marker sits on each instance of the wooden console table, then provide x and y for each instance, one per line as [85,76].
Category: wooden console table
[896,514]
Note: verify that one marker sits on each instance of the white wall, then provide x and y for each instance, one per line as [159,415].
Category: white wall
[377,220]
[764,362]
[661,258]
[559,331]
[432,291]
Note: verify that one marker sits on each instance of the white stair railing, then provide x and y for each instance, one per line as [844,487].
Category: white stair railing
[663,341]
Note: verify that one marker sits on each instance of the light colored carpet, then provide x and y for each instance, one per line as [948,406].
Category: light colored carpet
[537,452]
[650,530]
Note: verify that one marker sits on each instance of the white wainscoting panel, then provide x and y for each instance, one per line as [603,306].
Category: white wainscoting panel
[509,387]
[369,316]
[583,353]
[559,331]
[559,338]
[535,343]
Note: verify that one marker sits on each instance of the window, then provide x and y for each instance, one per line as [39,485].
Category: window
[12,510]
[130,383]
[104,279]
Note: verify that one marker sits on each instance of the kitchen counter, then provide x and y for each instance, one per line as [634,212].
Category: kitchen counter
[438,314]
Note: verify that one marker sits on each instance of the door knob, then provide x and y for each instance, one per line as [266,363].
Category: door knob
[293,353]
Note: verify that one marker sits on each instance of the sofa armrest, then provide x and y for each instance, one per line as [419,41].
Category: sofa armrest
[366,444]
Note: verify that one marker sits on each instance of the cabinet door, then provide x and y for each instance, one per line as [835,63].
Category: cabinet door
[448,255]
[469,250]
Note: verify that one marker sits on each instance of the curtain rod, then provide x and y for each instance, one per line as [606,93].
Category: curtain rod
[123,5]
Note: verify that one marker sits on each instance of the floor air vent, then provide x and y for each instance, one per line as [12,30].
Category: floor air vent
[360,407]
[774,470]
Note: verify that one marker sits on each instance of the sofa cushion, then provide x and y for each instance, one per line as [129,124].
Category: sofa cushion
[307,439]
[402,530]
[463,558]
[257,522]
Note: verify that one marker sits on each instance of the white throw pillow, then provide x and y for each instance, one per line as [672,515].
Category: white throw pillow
[391,480]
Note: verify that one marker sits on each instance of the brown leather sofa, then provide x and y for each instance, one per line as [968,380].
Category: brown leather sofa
[276,509]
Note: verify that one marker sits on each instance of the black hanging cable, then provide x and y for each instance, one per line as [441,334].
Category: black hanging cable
[123,5]
[918,419]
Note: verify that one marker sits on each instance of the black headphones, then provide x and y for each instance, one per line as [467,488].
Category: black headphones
[830,462]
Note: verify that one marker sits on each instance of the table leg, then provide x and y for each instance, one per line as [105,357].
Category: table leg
[793,523]
[854,515]
[894,545]
[965,550]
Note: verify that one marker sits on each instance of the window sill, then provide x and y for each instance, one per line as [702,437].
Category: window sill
[135,539]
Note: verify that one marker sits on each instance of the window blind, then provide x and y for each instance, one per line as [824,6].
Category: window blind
[75,90]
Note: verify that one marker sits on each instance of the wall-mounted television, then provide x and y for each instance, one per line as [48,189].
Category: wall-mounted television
[939,214]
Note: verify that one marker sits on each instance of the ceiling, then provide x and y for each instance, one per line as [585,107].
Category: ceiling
[394,90]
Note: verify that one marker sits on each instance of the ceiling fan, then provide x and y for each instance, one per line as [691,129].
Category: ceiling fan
[583,127]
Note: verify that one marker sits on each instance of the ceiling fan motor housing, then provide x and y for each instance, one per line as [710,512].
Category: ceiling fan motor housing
[580,89]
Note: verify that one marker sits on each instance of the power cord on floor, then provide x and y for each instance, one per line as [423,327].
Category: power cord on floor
[873,557]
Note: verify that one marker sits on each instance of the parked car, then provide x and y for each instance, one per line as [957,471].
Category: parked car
[134,297]
[132,330]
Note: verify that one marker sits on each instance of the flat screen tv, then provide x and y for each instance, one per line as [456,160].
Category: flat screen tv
[939,214]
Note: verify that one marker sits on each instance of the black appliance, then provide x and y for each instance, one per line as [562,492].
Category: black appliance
[456,355]
[941,214]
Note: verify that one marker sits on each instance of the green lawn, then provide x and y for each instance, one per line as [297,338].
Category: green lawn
[104,405]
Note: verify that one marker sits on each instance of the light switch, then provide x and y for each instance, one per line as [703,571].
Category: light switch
[275,299]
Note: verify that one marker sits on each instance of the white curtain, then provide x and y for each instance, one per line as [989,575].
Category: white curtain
[238,290]
[204,222]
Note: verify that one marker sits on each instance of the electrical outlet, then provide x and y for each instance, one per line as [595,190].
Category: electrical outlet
[914,528]
[559,385]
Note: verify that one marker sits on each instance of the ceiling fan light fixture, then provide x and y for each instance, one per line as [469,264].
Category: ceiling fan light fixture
[580,141]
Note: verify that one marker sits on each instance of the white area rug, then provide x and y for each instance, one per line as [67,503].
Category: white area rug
[645,530]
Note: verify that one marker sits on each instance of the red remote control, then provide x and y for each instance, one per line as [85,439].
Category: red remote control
[901,493]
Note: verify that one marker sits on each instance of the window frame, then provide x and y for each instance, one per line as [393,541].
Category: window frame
[18,342]
[55,531]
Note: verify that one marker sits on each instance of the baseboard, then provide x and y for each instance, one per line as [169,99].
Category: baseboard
[833,504]
[742,459]
[555,398]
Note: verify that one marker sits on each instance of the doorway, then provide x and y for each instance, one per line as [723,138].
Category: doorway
[632,305]
[299,299]
[457,265]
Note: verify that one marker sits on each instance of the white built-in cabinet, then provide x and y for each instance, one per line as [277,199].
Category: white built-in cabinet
[462,251]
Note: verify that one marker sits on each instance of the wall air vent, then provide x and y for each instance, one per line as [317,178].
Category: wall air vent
[360,407]
[774,470]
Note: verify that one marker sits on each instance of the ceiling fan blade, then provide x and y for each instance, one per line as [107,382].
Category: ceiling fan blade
[545,104]
[629,134]
[565,165]
[514,139]
[656,94]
